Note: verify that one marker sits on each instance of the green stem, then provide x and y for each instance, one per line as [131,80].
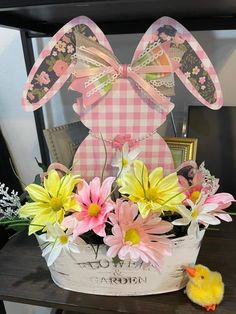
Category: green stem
[9,222]
[112,191]
[213,229]
[25,224]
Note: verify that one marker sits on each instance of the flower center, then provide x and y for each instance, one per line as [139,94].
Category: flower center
[194,196]
[94,209]
[151,194]
[63,239]
[194,213]
[132,236]
[56,203]
[124,162]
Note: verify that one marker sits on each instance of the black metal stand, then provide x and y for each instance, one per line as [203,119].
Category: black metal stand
[38,114]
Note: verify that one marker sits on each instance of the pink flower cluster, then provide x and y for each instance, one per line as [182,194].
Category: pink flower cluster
[94,200]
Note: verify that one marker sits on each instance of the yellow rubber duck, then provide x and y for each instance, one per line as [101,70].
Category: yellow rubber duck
[205,287]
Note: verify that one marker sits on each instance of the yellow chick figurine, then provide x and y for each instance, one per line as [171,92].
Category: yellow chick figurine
[205,287]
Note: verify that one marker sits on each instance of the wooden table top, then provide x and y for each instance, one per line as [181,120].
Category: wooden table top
[24,278]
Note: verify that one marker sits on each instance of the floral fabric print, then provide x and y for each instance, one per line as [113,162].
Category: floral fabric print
[56,63]
[190,64]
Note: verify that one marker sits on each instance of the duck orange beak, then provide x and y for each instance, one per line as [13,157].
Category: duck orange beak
[191,271]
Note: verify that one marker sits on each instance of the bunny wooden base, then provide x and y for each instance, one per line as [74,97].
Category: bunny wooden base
[85,272]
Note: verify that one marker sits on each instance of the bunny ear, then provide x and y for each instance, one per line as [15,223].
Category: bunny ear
[55,63]
[195,69]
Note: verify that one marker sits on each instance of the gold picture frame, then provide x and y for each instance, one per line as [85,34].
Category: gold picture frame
[182,148]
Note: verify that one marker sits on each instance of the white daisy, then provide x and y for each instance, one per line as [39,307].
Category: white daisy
[56,240]
[124,158]
[199,213]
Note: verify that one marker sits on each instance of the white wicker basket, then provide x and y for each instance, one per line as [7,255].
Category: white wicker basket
[85,272]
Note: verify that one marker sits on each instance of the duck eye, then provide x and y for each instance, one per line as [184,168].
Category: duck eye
[202,277]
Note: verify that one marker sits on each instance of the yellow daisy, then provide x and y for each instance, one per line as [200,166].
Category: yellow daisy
[152,192]
[50,201]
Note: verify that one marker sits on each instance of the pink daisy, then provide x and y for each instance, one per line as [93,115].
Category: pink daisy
[223,201]
[95,205]
[137,238]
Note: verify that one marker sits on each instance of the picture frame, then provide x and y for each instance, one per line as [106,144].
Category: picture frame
[182,148]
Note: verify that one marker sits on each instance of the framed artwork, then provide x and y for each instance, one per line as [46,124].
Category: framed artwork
[63,141]
[182,148]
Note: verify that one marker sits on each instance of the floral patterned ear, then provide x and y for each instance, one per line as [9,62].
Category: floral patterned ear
[55,63]
[195,69]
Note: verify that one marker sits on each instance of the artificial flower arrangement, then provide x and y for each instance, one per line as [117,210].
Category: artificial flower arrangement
[135,215]
[139,227]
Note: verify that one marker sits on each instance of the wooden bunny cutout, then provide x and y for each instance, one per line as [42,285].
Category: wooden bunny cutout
[122,103]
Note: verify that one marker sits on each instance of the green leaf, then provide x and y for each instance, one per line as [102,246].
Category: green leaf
[151,76]
[67,58]
[37,179]
[41,165]
[116,260]
[60,56]
[48,61]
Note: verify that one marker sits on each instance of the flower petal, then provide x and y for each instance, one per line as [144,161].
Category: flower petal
[131,186]
[32,209]
[220,198]
[184,212]
[106,189]
[141,173]
[206,208]
[133,154]
[40,221]
[193,229]
[169,182]
[47,249]
[223,216]
[95,185]
[71,204]
[155,176]
[124,252]
[74,247]
[84,194]
[100,230]
[144,208]
[67,185]
[54,255]
[113,250]
[82,227]
[209,219]
[183,182]
[37,193]
[181,222]
[52,183]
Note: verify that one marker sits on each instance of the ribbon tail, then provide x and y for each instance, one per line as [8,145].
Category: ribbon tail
[162,101]
[77,84]
[89,93]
